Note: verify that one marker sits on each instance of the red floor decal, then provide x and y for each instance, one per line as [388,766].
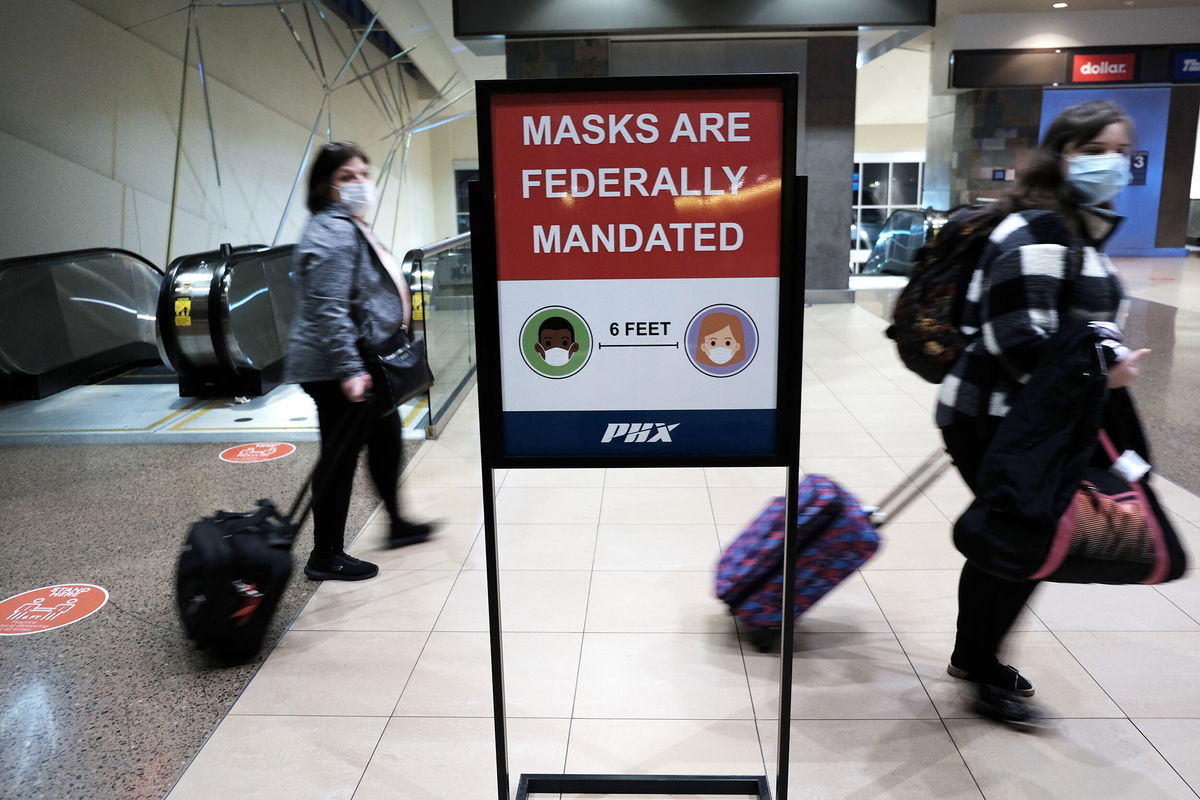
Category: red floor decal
[257,452]
[49,607]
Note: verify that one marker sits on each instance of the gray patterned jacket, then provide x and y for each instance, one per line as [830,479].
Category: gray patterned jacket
[342,295]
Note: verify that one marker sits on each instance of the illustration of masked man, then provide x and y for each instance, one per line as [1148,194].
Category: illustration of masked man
[556,341]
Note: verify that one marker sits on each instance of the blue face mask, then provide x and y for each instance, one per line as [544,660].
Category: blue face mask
[1099,178]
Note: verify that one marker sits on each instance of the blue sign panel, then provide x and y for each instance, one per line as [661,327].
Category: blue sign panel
[1186,66]
[1139,202]
[639,433]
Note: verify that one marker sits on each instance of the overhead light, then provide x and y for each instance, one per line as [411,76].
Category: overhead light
[1058,5]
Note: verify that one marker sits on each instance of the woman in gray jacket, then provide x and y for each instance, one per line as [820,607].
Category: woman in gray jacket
[349,288]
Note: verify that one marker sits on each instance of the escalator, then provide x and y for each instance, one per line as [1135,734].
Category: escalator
[217,321]
[74,317]
[896,246]
[223,319]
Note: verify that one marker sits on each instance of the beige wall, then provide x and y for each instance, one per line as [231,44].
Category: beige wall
[88,118]
[891,101]
[889,138]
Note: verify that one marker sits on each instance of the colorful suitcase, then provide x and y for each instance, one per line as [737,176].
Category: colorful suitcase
[837,535]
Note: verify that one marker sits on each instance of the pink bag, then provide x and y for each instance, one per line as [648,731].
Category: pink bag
[1114,531]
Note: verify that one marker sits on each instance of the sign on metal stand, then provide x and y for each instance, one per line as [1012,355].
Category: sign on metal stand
[638,256]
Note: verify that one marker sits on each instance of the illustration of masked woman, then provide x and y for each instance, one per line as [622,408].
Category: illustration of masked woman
[721,340]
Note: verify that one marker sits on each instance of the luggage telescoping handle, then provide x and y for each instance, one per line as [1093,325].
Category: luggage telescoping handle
[350,425]
[908,489]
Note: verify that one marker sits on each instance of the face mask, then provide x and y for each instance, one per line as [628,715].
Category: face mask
[720,355]
[1100,177]
[557,356]
[358,197]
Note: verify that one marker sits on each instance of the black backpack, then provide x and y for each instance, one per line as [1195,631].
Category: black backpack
[927,313]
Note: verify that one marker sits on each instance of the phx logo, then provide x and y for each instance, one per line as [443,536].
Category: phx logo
[633,432]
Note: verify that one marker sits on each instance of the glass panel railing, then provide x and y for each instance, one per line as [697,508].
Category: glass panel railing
[444,310]
[66,318]
[258,299]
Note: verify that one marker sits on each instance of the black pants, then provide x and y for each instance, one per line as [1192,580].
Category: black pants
[341,442]
[987,606]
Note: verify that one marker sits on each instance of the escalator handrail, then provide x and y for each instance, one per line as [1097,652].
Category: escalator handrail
[418,254]
[46,259]
[169,346]
[64,254]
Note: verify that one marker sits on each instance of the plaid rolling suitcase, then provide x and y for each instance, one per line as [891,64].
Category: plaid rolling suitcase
[837,535]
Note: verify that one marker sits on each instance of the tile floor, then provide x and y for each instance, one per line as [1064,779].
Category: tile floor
[619,660]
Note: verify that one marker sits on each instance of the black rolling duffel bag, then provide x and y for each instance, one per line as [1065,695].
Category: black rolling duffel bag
[234,567]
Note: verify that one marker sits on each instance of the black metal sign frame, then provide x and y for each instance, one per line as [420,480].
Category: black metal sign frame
[787,431]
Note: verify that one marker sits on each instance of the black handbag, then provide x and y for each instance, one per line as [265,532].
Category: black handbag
[399,368]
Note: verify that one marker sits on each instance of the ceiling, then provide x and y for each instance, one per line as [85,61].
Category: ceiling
[447,63]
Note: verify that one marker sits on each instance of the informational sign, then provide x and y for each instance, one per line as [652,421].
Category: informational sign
[1185,66]
[49,607]
[257,452]
[1107,67]
[638,266]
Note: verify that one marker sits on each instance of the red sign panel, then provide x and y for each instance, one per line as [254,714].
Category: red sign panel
[619,185]
[1092,67]
[257,452]
[49,607]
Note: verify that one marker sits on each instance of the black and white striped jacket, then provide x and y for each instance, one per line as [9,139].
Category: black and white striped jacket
[1028,274]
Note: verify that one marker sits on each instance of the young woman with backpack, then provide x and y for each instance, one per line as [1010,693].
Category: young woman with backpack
[1042,265]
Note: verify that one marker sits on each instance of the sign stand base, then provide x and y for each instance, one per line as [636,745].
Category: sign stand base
[736,785]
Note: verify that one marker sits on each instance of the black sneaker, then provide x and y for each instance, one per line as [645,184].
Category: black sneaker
[1008,707]
[339,567]
[406,533]
[1001,676]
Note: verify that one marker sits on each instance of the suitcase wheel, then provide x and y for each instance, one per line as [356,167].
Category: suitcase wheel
[764,641]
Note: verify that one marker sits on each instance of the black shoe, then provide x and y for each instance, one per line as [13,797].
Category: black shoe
[339,567]
[406,533]
[1001,676]
[1007,707]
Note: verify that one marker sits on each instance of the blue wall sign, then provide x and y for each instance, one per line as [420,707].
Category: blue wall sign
[1138,202]
[1185,66]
